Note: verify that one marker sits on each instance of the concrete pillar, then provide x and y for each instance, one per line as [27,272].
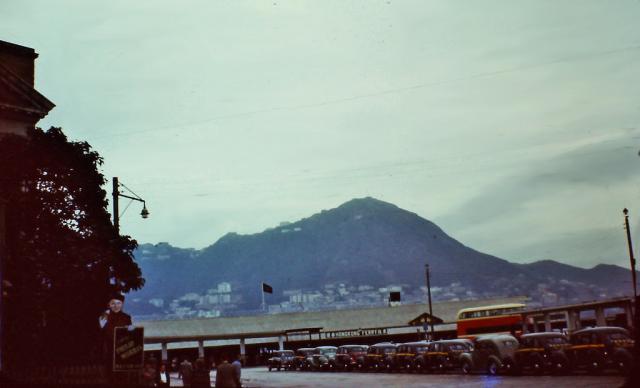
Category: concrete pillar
[571,321]
[280,342]
[577,321]
[568,321]
[165,355]
[243,350]
[600,320]
[201,348]
[525,328]
[547,322]
[535,324]
[628,313]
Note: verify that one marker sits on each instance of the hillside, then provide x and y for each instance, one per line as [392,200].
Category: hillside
[362,242]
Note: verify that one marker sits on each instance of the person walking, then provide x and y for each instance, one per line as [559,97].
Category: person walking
[186,372]
[226,375]
[201,377]
[237,364]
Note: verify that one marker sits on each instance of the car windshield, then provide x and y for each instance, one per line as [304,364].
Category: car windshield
[327,351]
[355,350]
[556,340]
[388,350]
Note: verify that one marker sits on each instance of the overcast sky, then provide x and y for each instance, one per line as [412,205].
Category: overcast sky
[514,125]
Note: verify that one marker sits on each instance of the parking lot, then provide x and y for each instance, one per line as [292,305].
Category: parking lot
[260,377]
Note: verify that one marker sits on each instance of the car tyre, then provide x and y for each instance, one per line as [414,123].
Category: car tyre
[492,367]
[465,367]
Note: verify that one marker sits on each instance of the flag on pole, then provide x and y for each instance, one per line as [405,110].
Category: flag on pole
[267,288]
[394,296]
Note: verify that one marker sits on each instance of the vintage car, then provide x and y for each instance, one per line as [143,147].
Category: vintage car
[442,355]
[323,358]
[281,359]
[406,354]
[302,359]
[603,347]
[380,357]
[543,352]
[350,357]
[491,354]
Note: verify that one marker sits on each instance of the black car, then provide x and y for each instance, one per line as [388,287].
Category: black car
[543,352]
[323,358]
[406,354]
[443,355]
[598,348]
[351,357]
[281,359]
[302,358]
[491,354]
[380,356]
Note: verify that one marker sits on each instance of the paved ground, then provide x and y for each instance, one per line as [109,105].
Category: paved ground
[261,378]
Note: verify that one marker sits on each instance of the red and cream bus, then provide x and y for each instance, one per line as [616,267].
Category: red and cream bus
[500,318]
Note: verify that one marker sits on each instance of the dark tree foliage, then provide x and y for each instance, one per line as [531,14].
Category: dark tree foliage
[64,257]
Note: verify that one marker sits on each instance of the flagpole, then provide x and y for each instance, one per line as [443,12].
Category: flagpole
[262,290]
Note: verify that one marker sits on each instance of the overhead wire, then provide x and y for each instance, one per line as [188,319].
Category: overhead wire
[375,94]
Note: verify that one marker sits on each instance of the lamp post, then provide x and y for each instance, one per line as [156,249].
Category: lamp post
[134,197]
[632,260]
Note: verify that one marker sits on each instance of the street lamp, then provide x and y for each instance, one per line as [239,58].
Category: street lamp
[134,197]
[632,260]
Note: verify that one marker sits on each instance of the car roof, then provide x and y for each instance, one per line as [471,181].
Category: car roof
[455,341]
[353,346]
[496,337]
[543,334]
[600,329]
[385,345]
[326,347]
[418,343]
[305,349]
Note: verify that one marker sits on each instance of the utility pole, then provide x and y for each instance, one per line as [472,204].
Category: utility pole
[426,266]
[134,197]
[632,260]
[116,212]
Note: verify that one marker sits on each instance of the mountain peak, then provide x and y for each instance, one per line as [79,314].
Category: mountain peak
[366,204]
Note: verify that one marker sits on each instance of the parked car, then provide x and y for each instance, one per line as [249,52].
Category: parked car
[349,357]
[598,348]
[380,356]
[443,355]
[302,359]
[491,354]
[406,354]
[282,359]
[543,352]
[324,358]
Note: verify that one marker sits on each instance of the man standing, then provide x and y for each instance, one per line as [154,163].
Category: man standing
[109,320]
[186,371]
[237,364]
[226,376]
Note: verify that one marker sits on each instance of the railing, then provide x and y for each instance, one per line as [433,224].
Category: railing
[80,375]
